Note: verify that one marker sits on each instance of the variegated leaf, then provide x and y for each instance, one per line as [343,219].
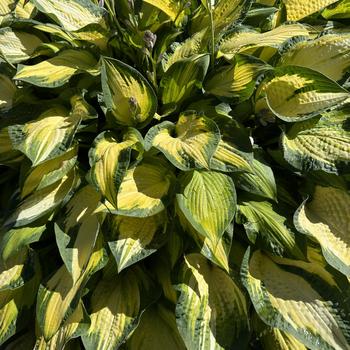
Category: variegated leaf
[145,190]
[17,46]
[109,160]
[297,302]
[326,219]
[197,138]
[46,137]
[298,9]
[328,54]
[320,143]
[182,79]
[128,95]
[207,199]
[77,230]
[117,303]
[59,297]
[298,93]
[57,71]
[209,317]
[71,15]
[133,239]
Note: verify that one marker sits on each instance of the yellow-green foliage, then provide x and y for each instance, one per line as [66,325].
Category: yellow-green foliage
[174,174]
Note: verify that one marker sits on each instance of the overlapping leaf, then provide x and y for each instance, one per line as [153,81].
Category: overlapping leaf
[196,140]
[57,71]
[297,93]
[208,200]
[207,316]
[267,227]
[109,160]
[117,304]
[317,54]
[59,297]
[46,137]
[297,9]
[321,143]
[247,40]
[294,303]
[17,46]
[182,79]
[145,189]
[325,218]
[133,239]
[72,15]
[237,81]
[128,94]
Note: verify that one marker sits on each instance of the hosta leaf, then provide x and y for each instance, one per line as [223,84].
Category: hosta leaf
[117,303]
[56,301]
[234,151]
[42,202]
[170,7]
[209,317]
[77,230]
[136,238]
[296,302]
[5,7]
[158,320]
[145,189]
[8,317]
[182,79]
[82,108]
[47,173]
[48,49]
[109,160]
[237,81]
[46,137]
[12,241]
[59,297]
[265,226]
[57,71]
[260,180]
[17,46]
[339,10]
[298,93]
[7,93]
[225,14]
[229,158]
[228,12]
[273,338]
[196,139]
[317,55]
[217,251]
[320,143]
[73,14]
[94,34]
[194,45]
[208,201]
[326,219]
[128,95]
[246,39]
[77,324]
[13,304]
[24,9]
[57,31]
[16,270]
[298,9]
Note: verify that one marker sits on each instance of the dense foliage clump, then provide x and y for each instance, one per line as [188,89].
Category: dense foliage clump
[174,174]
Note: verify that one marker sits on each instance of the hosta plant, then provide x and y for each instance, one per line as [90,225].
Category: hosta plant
[174,174]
